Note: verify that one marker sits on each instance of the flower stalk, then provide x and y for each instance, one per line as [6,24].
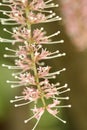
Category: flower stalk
[33,62]
[33,75]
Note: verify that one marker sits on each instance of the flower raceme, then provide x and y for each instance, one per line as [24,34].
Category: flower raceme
[33,75]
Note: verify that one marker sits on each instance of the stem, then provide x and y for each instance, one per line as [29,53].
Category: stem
[34,63]
[37,79]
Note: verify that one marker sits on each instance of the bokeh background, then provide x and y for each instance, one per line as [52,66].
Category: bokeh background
[73,29]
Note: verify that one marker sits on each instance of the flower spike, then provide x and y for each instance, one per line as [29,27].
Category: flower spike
[32,74]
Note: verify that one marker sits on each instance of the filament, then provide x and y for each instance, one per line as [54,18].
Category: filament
[64,91]
[22,104]
[12,101]
[63,106]
[62,98]
[48,1]
[25,121]
[55,56]
[65,86]
[60,119]
[54,42]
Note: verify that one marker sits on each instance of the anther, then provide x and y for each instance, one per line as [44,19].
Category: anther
[65,85]
[51,11]
[62,41]
[16,105]
[3,65]
[7,81]
[54,77]
[9,67]
[67,98]
[11,101]
[64,69]
[42,29]
[52,4]
[16,97]
[4,29]
[6,48]
[13,74]
[69,106]
[25,121]
[12,86]
[4,13]
[57,5]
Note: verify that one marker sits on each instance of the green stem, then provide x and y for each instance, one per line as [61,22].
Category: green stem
[37,79]
[34,64]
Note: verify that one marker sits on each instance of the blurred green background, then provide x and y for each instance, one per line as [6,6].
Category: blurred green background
[76,76]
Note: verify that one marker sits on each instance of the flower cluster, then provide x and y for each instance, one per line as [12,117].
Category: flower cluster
[32,73]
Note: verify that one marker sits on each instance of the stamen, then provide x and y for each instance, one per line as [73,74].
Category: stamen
[41,64]
[5,55]
[7,40]
[8,21]
[14,67]
[62,98]
[11,67]
[54,52]
[36,123]
[17,97]
[7,15]
[55,56]
[51,77]
[15,82]
[52,5]
[14,74]
[59,119]
[7,5]
[64,91]
[6,1]
[55,34]
[3,65]
[65,86]
[48,1]
[57,84]
[46,11]
[5,20]
[57,72]
[57,18]
[25,121]
[12,101]
[63,106]
[54,42]
[50,16]
[8,49]
[23,104]
[4,29]
[14,86]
